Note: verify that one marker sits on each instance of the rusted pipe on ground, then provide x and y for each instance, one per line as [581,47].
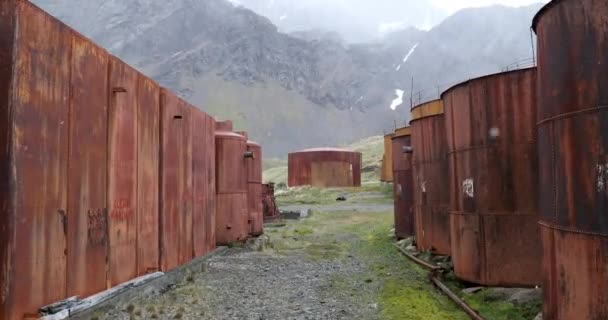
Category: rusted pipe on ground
[421,262]
[434,270]
[463,305]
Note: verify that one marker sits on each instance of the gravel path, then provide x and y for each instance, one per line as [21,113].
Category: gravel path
[248,284]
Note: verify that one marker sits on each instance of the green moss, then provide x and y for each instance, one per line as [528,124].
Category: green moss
[490,308]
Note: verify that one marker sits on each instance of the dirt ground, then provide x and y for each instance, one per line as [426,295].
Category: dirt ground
[339,263]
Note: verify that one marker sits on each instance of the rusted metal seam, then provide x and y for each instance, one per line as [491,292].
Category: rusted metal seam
[573,114]
[572,230]
[463,305]
[488,146]
[507,213]
[554,178]
[419,261]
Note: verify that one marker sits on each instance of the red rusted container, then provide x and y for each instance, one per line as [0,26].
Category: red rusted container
[148,125]
[573,157]
[491,132]
[324,167]
[403,183]
[271,212]
[430,171]
[122,173]
[35,95]
[231,186]
[224,126]
[254,189]
[203,176]
[87,214]
[176,182]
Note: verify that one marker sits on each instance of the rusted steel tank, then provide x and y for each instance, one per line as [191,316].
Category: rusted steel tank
[386,173]
[231,186]
[573,157]
[403,183]
[34,89]
[225,125]
[254,188]
[176,182]
[324,167]
[271,212]
[431,178]
[491,133]
[203,181]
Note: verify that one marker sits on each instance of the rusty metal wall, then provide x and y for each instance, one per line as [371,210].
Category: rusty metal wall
[300,166]
[386,172]
[176,182]
[231,187]
[35,89]
[572,147]
[122,173]
[224,126]
[403,184]
[148,137]
[87,213]
[203,172]
[491,136]
[254,189]
[431,176]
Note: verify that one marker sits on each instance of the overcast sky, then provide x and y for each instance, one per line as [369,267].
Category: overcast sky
[453,5]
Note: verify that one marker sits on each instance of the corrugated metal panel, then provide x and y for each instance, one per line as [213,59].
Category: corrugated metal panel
[254,189]
[334,168]
[122,173]
[148,137]
[176,169]
[87,184]
[403,184]
[430,171]
[203,131]
[35,93]
[493,165]
[573,144]
[231,187]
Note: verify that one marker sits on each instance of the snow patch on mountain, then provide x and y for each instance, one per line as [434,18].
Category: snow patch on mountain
[399,100]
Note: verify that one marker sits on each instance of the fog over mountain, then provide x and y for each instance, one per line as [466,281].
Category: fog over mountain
[310,87]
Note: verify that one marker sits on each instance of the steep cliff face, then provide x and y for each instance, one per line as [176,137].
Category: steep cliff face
[300,90]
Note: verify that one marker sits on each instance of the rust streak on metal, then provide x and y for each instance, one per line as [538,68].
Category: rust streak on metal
[254,189]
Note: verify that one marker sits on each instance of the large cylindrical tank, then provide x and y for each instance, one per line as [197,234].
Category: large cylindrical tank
[231,186]
[254,188]
[491,133]
[324,167]
[573,157]
[386,172]
[403,183]
[430,170]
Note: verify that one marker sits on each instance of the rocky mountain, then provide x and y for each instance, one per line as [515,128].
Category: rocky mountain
[357,21]
[309,88]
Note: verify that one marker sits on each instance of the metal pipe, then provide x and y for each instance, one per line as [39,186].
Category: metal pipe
[421,262]
[463,305]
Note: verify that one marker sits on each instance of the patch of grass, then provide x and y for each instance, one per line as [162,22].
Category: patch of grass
[303,230]
[491,308]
